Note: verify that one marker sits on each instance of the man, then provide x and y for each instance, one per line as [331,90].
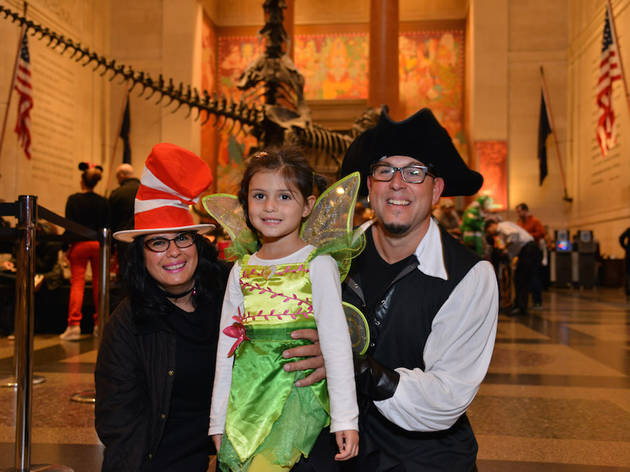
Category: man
[121,204]
[529,222]
[518,243]
[121,200]
[473,219]
[533,226]
[431,304]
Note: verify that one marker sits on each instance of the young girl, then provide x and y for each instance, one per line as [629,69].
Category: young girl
[259,419]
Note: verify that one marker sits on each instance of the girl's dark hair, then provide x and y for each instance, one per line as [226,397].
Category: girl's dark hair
[294,166]
[148,300]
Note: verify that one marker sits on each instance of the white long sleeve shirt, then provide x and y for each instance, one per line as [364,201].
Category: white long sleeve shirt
[514,236]
[457,352]
[334,340]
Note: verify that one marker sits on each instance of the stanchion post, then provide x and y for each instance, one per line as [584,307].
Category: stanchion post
[24,329]
[105,241]
[104,257]
[27,217]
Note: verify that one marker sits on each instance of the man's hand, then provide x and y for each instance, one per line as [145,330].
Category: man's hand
[314,360]
[348,443]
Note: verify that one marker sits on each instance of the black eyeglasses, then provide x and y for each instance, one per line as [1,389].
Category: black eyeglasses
[159,244]
[411,174]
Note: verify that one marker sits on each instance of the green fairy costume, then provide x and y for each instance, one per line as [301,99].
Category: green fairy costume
[473,221]
[268,417]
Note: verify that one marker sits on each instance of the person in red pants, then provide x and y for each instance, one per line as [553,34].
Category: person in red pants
[90,210]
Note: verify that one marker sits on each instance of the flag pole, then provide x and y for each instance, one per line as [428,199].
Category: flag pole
[111,161]
[555,135]
[13,76]
[613,27]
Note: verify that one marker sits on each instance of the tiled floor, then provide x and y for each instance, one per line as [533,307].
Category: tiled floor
[556,398]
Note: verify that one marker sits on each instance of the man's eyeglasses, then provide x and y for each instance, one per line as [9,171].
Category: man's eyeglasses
[159,244]
[410,174]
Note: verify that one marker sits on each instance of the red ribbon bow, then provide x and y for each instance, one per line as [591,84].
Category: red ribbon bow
[236,330]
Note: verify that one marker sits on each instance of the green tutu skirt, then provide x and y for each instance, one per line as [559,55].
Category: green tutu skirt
[267,414]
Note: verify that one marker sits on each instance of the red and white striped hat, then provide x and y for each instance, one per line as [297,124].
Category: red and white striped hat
[173,179]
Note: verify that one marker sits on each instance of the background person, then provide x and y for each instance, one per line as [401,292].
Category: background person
[533,226]
[90,210]
[518,244]
[449,219]
[431,304]
[121,203]
[473,221]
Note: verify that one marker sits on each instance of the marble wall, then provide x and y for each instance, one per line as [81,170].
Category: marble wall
[157,39]
[599,184]
[531,45]
[69,119]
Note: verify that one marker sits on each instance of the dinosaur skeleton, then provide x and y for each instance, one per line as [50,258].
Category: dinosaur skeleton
[284,117]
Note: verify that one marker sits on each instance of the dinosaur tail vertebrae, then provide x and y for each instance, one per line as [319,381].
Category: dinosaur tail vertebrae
[222,108]
[252,118]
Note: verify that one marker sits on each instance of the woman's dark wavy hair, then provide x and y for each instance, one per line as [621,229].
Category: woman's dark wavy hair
[148,300]
[294,166]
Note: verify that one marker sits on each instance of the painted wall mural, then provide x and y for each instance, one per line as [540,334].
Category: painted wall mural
[431,74]
[234,54]
[492,158]
[334,66]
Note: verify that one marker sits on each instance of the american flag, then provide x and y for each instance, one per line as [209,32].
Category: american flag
[25,90]
[609,71]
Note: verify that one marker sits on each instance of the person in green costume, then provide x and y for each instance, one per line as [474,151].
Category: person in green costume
[473,221]
[259,420]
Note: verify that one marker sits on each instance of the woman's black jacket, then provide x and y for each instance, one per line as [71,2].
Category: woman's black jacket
[134,377]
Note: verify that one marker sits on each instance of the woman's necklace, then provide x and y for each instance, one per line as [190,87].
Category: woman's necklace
[180,295]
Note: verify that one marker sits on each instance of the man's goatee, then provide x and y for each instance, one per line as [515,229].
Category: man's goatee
[397,229]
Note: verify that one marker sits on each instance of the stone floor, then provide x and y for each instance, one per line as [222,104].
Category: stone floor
[556,398]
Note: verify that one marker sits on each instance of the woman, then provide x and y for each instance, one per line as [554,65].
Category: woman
[155,366]
[90,210]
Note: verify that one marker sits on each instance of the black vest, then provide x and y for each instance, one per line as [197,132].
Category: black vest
[400,323]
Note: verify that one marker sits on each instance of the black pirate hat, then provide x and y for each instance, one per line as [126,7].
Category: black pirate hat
[420,136]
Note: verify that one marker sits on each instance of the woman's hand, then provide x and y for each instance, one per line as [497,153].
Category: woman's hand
[216,439]
[314,360]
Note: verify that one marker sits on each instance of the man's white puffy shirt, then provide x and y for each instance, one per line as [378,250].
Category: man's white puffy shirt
[332,328]
[457,352]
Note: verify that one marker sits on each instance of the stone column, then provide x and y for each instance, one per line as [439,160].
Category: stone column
[487,76]
[383,65]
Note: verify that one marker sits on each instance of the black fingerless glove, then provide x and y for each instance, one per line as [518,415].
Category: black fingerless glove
[374,380]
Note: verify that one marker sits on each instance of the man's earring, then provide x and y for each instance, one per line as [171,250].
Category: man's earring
[368,199]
